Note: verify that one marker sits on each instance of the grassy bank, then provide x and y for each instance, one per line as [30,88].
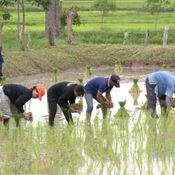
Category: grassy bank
[71,57]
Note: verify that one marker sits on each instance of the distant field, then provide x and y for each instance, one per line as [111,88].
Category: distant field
[92,30]
[91,21]
[120,4]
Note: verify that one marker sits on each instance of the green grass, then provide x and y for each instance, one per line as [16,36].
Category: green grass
[120,4]
[93,31]
[64,56]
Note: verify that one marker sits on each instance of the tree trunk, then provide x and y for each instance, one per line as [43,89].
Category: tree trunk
[52,21]
[70,16]
[18,24]
[22,32]
[1,26]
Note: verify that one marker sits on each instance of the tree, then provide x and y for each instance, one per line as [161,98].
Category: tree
[20,6]
[104,6]
[69,18]
[52,22]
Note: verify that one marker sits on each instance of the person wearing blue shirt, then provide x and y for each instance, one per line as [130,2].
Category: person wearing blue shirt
[160,85]
[95,89]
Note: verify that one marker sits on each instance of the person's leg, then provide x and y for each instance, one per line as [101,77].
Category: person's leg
[52,108]
[89,102]
[151,98]
[5,107]
[162,101]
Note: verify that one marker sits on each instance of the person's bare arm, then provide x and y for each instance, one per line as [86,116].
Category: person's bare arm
[101,99]
[108,96]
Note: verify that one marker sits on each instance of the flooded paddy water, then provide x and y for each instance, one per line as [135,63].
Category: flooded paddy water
[137,144]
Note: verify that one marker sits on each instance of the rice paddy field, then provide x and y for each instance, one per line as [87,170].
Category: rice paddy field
[129,141]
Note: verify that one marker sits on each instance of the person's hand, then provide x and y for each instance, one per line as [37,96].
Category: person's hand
[28,116]
[75,110]
[109,104]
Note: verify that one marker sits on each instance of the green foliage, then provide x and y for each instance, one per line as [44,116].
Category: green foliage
[43,3]
[6,16]
[105,5]
[76,19]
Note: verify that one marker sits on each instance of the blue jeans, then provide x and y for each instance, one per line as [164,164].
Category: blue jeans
[89,102]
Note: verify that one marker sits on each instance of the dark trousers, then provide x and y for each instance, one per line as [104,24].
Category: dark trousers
[151,97]
[52,105]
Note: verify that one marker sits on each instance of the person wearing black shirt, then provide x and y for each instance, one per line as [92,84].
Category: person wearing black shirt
[63,94]
[14,96]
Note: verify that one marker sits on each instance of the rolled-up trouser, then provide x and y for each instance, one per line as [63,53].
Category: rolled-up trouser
[89,102]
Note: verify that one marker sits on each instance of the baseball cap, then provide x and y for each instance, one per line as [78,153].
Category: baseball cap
[116,80]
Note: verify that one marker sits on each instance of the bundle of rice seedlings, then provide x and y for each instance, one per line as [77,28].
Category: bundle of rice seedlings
[89,70]
[77,106]
[122,112]
[135,87]
[80,80]
[118,68]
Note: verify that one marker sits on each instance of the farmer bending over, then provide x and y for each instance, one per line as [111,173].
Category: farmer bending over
[14,96]
[63,94]
[95,88]
[160,85]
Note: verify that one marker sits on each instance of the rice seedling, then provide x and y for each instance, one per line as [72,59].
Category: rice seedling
[81,80]
[135,87]
[88,70]
[118,68]
[122,112]
[165,67]
[54,75]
